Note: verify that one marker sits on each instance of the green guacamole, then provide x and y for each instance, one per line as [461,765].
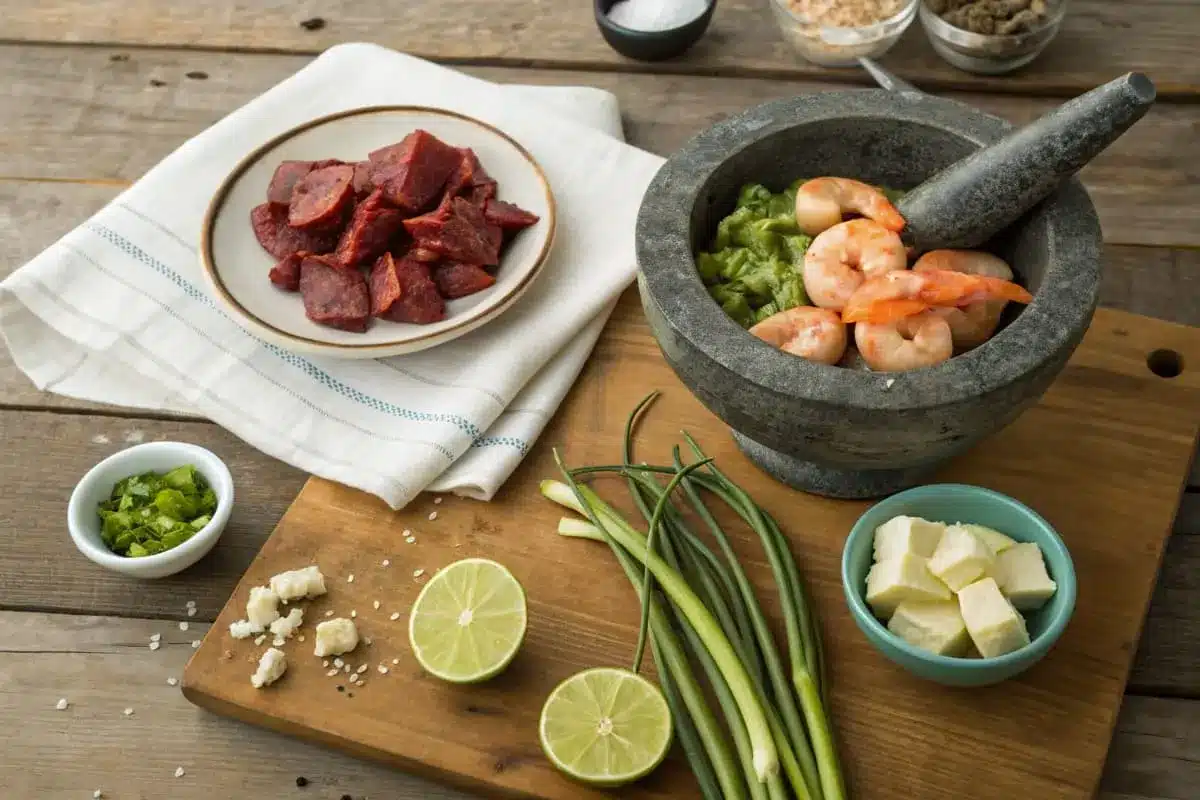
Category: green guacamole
[152,512]
[752,269]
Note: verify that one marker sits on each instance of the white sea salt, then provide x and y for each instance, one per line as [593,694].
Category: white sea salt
[656,15]
[191,612]
[418,573]
[154,637]
[376,605]
[432,516]
[195,643]
[183,626]
[179,772]
[128,712]
[386,562]
[172,682]
[395,615]
[155,645]
[437,501]
[62,704]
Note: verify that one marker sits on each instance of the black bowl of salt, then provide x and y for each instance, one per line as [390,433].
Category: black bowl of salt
[653,30]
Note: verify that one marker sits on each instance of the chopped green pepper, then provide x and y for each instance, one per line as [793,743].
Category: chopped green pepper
[151,513]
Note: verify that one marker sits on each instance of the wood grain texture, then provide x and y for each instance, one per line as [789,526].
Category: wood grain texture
[45,454]
[103,665]
[1099,40]
[1054,724]
[78,114]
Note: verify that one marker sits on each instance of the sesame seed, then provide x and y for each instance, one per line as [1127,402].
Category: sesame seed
[155,645]
[418,573]
[183,626]
[172,682]
[432,516]
[350,579]
[259,640]
[437,501]
[361,669]
[329,613]
[128,712]
[376,605]
[386,562]
[154,637]
[395,661]
[353,613]
[337,662]
[191,612]
[395,615]
[195,643]
[179,773]
[331,673]
[382,669]
[62,704]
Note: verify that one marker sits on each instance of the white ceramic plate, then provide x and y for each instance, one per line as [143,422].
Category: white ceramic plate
[236,265]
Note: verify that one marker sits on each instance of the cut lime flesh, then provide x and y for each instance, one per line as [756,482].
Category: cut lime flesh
[468,622]
[606,727]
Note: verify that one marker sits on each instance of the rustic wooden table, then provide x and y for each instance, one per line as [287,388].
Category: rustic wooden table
[97,92]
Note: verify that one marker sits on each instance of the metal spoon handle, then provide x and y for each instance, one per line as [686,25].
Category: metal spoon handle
[885,79]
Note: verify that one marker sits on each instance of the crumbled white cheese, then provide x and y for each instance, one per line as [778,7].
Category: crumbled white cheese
[62,704]
[172,682]
[155,645]
[336,636]
[262,608]
[285,627]
[241,629]
[271,667]
[183,626]
[179,773]
[154,637]
[298,584]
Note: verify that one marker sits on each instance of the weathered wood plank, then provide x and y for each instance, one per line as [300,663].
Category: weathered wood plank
[1099,38]
[79,114]
[103,665]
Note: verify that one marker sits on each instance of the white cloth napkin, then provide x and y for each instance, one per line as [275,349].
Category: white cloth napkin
[117,311]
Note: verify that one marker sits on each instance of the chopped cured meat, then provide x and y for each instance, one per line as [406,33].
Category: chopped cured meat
[371,227]
[454,279]
[321,198]
[468,174]
[335,297]
[483,192]
[418,253]
[284,180]
[462,236]
[508,216]
[286,272]
[280,239]
[413,171]
[362,178]
[403,291]
[429,224]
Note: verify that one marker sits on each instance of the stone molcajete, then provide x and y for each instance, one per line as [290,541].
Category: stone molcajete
[858,434]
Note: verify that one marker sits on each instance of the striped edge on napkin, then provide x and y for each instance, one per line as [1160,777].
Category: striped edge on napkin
[117,311]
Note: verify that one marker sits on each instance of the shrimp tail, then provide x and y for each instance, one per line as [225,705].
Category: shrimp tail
[1007,290]
[882,312]
[886,215]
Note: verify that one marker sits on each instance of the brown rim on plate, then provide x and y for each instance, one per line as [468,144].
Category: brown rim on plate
[218,201]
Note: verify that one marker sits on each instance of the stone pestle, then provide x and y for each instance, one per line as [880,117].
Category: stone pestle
[969,202]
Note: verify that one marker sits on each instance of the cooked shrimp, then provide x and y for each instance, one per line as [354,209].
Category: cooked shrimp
[839,260]
[822,202]
[895,295]
[816,334]
[923,340]
[972,324]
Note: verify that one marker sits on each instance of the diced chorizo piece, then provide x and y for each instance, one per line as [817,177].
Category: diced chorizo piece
[362,178]
[508,216]
[328,162]
[468,174]
[322,198]
[403,291]
[286,175]
[371,227]
[413,171]
[464,236]
[454,279]
[418,253]
[481,193]
[286,272]
[269,221]
[332,296]
[429,224]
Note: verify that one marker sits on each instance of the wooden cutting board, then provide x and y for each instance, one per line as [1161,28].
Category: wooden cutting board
[1104,457]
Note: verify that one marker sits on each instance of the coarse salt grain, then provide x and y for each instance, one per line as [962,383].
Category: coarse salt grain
[418,573]
[376,605]
[172,682]
[325,663]
[128,712]
[331,673]
[406,533]
[195,643]
[432,516]
[350,578]
[260,640]
[385,562]
[337,662]
[395,661]
[96,795]
[62,704]
[154,637]
[346,668]
[395,615]
[183,626]
[437,501]
[329,613]
[190,604]
[361,669]
[300,638]
[191,612]
[382,669]
[179,773]
[353,613]
[155,645]
[367,641]
[410,539]
[278,642]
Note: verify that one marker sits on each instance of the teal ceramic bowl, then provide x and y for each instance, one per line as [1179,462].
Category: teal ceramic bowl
[955,502]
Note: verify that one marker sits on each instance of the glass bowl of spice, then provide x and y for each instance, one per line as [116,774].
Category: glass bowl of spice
[836,33]
[991,37]
[653,30]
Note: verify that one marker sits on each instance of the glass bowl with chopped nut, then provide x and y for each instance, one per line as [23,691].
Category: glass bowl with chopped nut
[836,33]
[991,37]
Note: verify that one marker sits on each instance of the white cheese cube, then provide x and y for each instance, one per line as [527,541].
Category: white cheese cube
[336,636]
[961,558]
[284,627]
[995,626]
[298,584]
[913,535]
[262,608]
[892,582]
[934,626]
[996,541]
[241,629]
[271,667]
[1021,574]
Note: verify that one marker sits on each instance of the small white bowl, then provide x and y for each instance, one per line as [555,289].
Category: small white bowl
[96,486]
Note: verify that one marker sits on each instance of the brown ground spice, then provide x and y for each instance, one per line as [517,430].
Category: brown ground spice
[992,17]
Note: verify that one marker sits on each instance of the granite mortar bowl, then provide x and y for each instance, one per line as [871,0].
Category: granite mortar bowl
[829,430]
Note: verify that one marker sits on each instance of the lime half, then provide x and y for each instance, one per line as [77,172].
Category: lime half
[606,726]
[468,621]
